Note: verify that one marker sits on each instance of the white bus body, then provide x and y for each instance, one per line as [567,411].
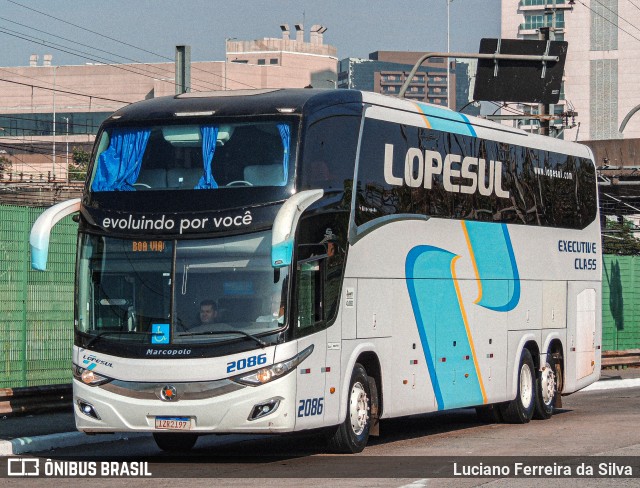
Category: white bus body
[470,276]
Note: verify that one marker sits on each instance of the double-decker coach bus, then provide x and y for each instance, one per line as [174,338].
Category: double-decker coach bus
[362,257]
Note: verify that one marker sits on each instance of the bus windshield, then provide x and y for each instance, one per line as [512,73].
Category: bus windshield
[193,157]
[215,290]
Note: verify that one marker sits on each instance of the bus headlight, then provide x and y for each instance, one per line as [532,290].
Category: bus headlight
[270,373]
[89,377]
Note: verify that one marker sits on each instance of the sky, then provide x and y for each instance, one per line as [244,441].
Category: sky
[150,29]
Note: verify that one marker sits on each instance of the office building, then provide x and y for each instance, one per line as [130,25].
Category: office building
[601,71]
[386,71]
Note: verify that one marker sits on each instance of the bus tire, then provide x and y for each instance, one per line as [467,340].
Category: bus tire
[352,435]
[520,409]
[546,389]
[175,442]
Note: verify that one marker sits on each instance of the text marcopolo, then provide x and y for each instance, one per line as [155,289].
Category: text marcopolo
[183,225]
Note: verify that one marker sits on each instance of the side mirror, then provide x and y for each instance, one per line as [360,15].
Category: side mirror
[284,226]
[41,230]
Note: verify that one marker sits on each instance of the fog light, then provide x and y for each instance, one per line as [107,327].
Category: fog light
[263,409]
[87,409]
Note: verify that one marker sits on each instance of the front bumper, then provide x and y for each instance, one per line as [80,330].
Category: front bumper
[121,410]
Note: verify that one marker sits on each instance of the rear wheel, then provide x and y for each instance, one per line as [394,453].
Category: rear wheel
[352,435]
[520,410]
[174,442]
[546,389]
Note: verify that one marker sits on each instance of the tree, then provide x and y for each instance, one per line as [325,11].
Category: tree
[78,167]
[5,166]
[618,238]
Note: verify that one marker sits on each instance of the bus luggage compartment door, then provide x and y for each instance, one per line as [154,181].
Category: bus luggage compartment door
[583,334]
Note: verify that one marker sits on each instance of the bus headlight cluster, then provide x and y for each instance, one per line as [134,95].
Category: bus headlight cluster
[89,377]
[270,373]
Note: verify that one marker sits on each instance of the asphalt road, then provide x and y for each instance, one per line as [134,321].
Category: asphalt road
[593,426]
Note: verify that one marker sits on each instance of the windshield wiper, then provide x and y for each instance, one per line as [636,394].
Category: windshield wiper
[108,332]
[222,332]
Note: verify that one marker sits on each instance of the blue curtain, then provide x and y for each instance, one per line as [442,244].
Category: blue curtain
[209,138]
[285,134]
[119,166]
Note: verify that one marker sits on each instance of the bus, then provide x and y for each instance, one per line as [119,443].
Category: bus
[363,257]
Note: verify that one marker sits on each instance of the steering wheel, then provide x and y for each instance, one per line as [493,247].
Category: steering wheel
[239,183]
[144,185]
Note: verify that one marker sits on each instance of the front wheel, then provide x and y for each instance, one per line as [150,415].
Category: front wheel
[520,410]
[352,435]
[174,442]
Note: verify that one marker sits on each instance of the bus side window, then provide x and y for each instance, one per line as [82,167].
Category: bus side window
[330,152]
[309,296]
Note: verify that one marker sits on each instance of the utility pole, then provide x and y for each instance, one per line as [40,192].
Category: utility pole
[448,59]
[67,143]
[547,34]
[54,125]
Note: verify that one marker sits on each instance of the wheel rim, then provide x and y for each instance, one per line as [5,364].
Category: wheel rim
[358,408]
[526,385]
[547,384]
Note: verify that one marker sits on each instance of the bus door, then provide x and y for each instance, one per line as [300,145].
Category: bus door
[310,329]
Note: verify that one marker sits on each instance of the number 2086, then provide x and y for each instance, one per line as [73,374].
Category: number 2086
[310,407]
[244,363]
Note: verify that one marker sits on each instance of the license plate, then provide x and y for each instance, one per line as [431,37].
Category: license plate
[173,423]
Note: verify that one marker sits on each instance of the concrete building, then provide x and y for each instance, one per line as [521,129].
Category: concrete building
[47,110]
[386,71]
[602,72]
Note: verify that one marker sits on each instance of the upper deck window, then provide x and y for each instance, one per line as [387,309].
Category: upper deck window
[188,157]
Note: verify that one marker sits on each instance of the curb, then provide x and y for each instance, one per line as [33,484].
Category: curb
[613,384]
[24,445]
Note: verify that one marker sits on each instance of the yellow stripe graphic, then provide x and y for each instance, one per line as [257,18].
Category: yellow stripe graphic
[424,116]
[473,260]
[466,326]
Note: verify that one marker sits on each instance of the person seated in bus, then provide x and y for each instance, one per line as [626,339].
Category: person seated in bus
[208,313]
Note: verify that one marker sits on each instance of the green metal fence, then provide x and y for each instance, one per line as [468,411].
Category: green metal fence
[36,308]
[620,303]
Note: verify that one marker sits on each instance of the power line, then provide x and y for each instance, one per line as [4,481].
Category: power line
[71,40]
[85,29]
[634,5]
[125,43]
[608,20]
[29,139]
[82,54]
[159,72]
[20,118]
[616,14]
[61,86]
[63,91]
[21,161]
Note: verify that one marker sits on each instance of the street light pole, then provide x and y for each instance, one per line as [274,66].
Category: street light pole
[66,137]
[54,124]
